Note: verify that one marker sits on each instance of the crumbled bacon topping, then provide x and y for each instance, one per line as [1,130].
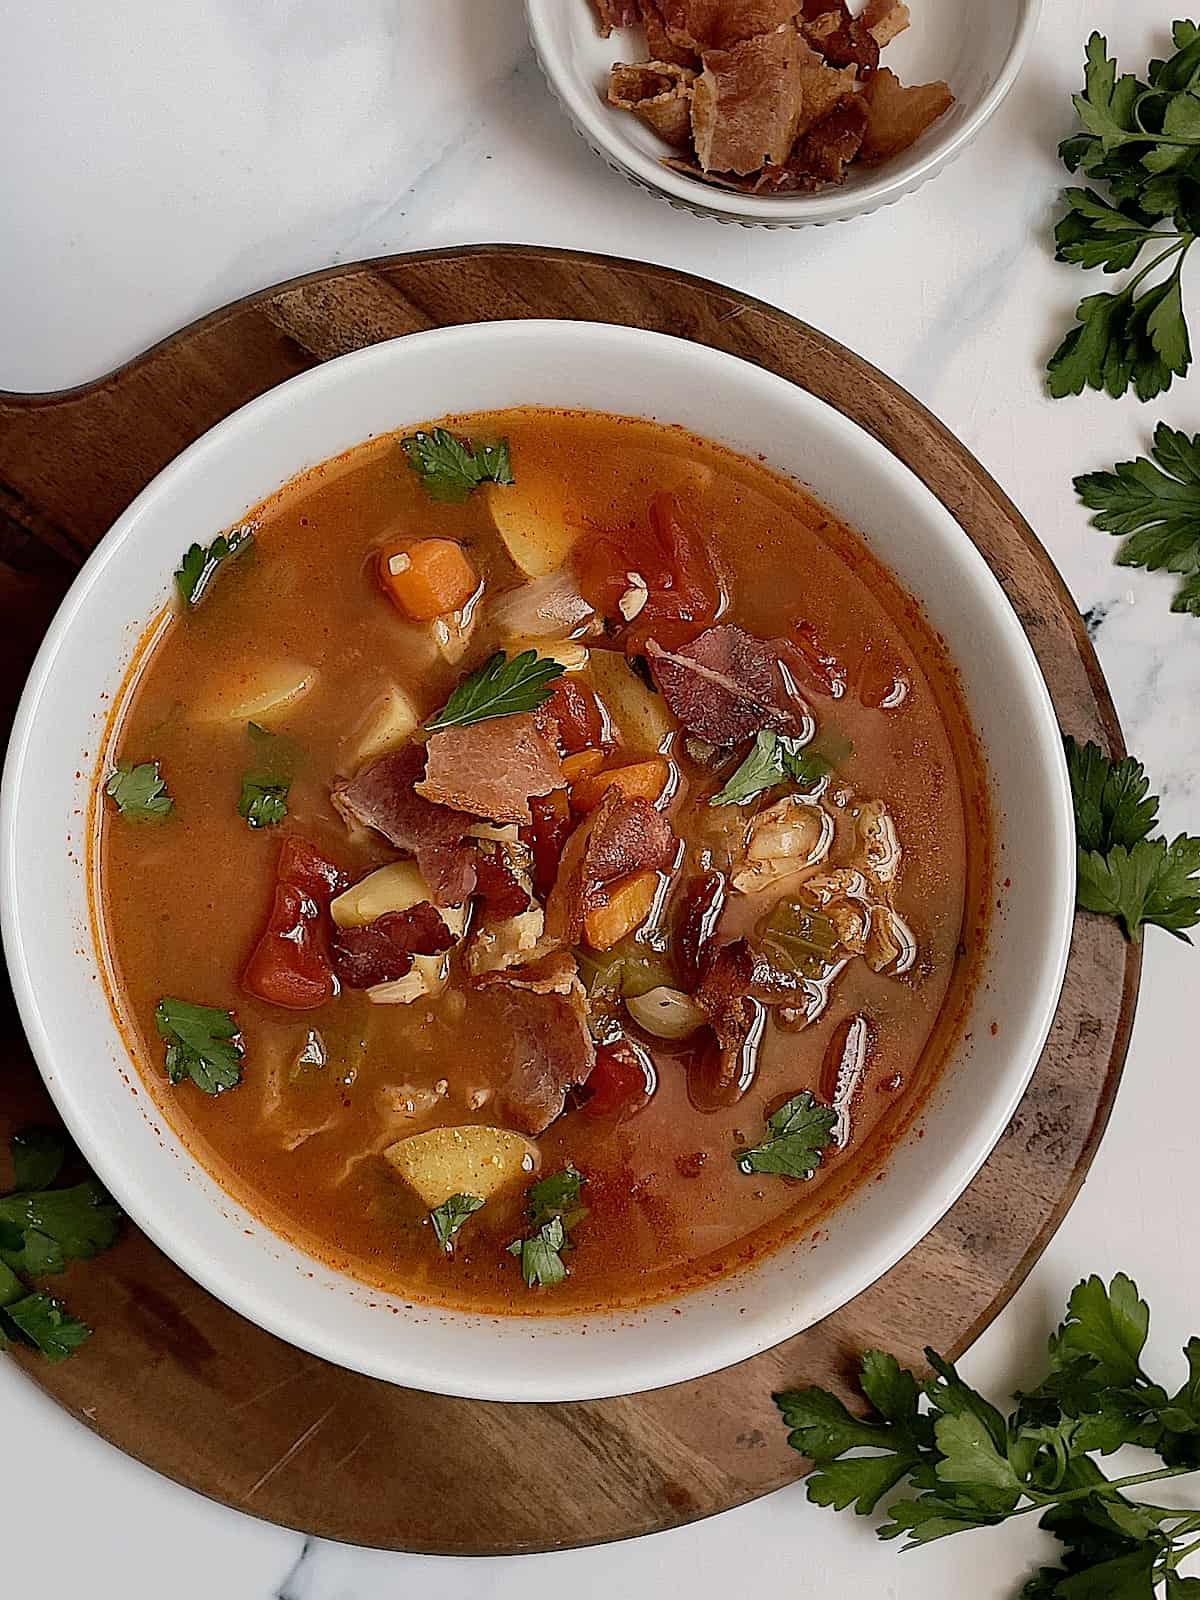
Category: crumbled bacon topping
[737,87]
[491,769]
[612,14]
[726,685]
[551,1048]
[498,888]
[724,994]
[384,949]
[383,796]
[747,102]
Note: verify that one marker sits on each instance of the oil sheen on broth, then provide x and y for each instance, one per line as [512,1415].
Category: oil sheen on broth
[845,899]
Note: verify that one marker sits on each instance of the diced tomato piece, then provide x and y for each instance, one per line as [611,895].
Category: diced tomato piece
[291,964]
[621,1082]
[549,832]
[682,591]
[577,715]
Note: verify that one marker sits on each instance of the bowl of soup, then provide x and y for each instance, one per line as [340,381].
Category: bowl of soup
[538,860]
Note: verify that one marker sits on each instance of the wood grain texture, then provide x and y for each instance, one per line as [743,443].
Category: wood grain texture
[174,1378]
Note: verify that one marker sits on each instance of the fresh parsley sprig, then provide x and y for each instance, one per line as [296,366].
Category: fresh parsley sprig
[776,758]
[449,1217]
[451,470]
[502,687]
[798,1134]
[203,1044]
[1154,506]
[1141,139]
[265,789]
[1122,871]
[553,1207]
[41,1229]
[201,562]
[971,1466]
[139,793]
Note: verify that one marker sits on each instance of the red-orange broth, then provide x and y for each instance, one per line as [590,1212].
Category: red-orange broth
[182,902]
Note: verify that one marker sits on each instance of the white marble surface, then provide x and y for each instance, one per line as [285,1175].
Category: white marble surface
[160,158]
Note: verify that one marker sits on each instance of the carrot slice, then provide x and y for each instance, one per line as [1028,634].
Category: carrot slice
[427,579]
[644,779]
[582,763]
[626,908]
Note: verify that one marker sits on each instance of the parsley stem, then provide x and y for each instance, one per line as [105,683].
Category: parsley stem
[1184,242]
[1113,1486]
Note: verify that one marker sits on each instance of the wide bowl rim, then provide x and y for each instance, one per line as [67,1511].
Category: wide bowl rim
[740,1340]
[593,121]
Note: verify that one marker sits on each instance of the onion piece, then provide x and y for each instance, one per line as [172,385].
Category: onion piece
[545,608]
[666,1013]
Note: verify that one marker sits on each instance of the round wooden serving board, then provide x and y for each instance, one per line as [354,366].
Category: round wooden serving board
[178,1381]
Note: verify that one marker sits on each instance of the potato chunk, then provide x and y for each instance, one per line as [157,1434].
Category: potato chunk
[388,723]
[266,694]
[472,1160]
[640,717]
[395,887]
[530,519]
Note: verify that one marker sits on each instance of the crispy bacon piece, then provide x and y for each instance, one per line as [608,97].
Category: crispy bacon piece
[548,1040]
[491,768]
[499,890]
[659,42]
[290,965]
[696,924]
[706,24]
[385,948]
[736,1019]
[886,19]
[824,153]
[612,14]
[546,836]
[747,103]
[726,685]
[619,837]
[898,116]
[843,39]
[659,94]
[383,796]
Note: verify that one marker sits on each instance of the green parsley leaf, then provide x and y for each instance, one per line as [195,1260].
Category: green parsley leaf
[776,758]
[449,1217]
[1108,1324]
[140,792]
[265,789]
[262,805]
[1155,883]
[203,1044]
[47,1325]
[11,1287]
[1123,873]
[799,1131]
[450,470]
[37,1156]
[502,687]
[1154,505]
[540,1256]
[201,563]
[553,1206]
[1112,801]
[1141,139]
[57,1225]
[557,1196]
